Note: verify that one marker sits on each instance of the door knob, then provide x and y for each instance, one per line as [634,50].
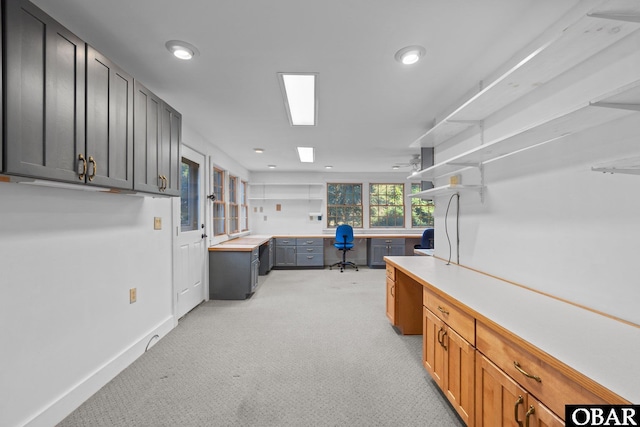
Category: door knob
[204,235]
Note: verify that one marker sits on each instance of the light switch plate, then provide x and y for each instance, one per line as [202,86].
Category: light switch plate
[157,223]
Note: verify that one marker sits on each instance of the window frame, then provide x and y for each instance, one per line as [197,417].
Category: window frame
[219,204]
[244,207]
[233,217]
[386,206]
[337,207]
[191,200]
[416,201]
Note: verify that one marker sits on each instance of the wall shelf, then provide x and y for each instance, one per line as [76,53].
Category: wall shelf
[617,104]
[286,191]
[447,190]
[590,30]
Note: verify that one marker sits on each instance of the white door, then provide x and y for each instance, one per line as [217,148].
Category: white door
[191,242]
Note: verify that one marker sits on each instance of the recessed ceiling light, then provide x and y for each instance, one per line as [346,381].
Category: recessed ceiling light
[328,167]
[395,167]
[410,54]
[182,50]
[259,150]
[306,154]
[299,94]
[271,166]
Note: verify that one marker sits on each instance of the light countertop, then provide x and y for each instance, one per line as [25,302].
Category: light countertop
[602,348]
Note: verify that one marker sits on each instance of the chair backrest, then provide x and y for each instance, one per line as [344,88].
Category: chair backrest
[344,234]
[427,239]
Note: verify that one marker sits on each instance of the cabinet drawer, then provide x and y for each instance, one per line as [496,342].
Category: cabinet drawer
[309,242]
[390,241]
[457,319]
[308,260]
[391,272]
[555,389]
[310,250]
[283,241]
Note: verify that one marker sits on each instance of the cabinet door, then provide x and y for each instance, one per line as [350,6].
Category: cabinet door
[170,160]
[459,374]
[391,300]
[147,140]
[45,95]
[539,415]
[109,123]
[433,357]
[499,400]
[395,250]
[377,254]
[285,256]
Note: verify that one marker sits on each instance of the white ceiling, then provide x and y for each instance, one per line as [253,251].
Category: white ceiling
[371,108]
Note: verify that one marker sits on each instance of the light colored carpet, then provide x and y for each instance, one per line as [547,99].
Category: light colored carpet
[310,348]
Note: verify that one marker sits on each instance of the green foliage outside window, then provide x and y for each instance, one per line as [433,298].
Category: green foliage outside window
[386,205]
[421,210]
[344,205]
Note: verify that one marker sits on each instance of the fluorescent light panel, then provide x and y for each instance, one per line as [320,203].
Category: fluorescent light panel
[306,154]
[299,91]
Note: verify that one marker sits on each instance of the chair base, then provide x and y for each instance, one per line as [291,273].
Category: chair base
[343,265]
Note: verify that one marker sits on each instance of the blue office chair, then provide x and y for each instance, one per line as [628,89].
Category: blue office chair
[344,242]
[426,242]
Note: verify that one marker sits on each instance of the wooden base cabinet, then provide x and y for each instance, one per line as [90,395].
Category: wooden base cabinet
[500,401]
[391,299]
[450,360]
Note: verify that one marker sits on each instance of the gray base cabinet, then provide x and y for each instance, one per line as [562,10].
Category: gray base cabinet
[379,248]
[233,275]
[299,253]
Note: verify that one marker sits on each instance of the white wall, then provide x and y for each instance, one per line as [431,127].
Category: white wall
[293,218]
[547,221]
[68,259]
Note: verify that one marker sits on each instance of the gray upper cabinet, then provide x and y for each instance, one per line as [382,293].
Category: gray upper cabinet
[147,140]
[170,160]
[158,129]
[45,93]
[69,112]
[109,123]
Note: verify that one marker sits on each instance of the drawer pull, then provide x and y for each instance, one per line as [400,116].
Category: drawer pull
[530,412]
[309,242]
[515,410]
[443,311]
[526,374]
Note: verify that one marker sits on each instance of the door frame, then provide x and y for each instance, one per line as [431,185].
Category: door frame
[204,190]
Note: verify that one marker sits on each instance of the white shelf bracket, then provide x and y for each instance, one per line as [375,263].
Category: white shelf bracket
[628,17]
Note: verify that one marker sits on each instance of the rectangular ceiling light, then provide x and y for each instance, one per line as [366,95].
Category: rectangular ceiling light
[299,93]
[306,154]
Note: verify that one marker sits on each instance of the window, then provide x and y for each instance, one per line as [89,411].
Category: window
[189,196]
[421,210]
[244,208]
[344,205]
[219,212]
[386,205]
[233,204]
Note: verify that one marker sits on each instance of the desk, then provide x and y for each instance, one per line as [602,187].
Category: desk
[579,354]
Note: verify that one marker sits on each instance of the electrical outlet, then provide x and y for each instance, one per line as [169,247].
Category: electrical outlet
[157,223]
[133,295]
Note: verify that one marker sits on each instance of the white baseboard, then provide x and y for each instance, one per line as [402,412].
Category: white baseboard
[68,402]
